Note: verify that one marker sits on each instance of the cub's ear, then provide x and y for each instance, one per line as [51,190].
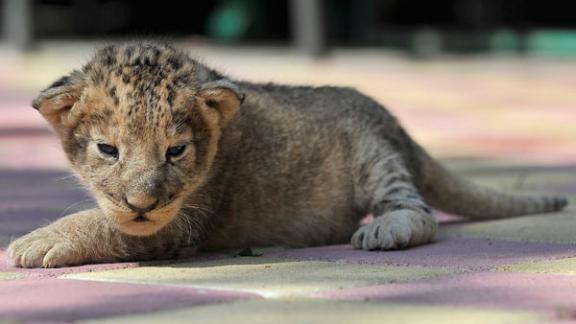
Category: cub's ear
[55,102]
[222,96]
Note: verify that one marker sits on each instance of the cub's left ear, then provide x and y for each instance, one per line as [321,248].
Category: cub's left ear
[55,102]
[222,96]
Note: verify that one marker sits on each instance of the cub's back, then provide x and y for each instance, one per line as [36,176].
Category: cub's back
[288,152]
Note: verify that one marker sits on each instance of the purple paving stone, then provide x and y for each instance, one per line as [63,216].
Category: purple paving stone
[487,289]
[25,180]
[459,253]
[30,199]
[19,222]
[69,300]
[34,187]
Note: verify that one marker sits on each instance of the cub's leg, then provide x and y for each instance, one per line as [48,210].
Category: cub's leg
[402,218]
[90,237]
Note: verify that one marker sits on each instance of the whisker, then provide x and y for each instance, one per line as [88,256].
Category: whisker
[66,177]
[74,205]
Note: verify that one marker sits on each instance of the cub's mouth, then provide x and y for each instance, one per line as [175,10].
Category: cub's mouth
[144,224]
[140,222]
[141,225]
[141,218]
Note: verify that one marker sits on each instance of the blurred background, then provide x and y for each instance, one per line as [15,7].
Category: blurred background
[474,80]
[487,86]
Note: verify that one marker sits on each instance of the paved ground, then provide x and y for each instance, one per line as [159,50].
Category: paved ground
[502,122]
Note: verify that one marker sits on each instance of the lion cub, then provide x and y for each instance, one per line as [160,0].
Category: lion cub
[179,156]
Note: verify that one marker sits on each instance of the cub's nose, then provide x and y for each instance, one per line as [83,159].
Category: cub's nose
[141,202]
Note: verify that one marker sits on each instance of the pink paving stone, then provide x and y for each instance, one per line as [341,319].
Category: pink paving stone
[441,217]
[486,289]
[459,253]
[38,152]
[20,114]
[69,300]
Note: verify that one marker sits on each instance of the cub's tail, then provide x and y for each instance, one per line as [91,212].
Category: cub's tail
[444,191]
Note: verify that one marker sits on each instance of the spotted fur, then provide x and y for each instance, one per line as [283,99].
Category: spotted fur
[263,164]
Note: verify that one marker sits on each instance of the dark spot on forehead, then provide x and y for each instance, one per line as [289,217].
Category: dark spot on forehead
[128,52]
[108,56]
[113,95]
[110,60]
[174,64]
[156,54]
[170,94]
[97,76]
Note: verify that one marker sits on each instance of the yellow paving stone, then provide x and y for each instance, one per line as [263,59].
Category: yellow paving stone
[523,181]
[10,275]
[268,277]
[552,227]
[503,175]
[549,228]
[565,266]
[326,311]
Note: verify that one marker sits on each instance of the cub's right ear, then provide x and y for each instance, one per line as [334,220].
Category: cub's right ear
[55,102]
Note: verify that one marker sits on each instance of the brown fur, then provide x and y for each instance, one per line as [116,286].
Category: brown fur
[263,164]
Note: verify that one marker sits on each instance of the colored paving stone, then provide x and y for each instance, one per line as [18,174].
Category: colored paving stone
[492,122]
[63,300]
[33,198]
[560,267]
[10,275]
[318,311]
[553,228]
[464,254]
[55,272]
[560,180]
[268,277]
[534,292]
[19,222]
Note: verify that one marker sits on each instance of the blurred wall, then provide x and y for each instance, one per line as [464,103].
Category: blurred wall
[419,27]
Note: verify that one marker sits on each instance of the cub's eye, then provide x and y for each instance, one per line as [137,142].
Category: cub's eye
[175,151]
[108,150]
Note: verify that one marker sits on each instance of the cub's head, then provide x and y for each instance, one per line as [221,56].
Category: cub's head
[140,125]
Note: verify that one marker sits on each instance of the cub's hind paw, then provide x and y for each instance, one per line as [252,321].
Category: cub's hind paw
[395,230]
[42,249]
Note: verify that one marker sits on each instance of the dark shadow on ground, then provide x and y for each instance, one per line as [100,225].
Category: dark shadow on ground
[32,198]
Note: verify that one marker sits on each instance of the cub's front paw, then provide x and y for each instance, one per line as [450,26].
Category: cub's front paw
[395,230]
[43,248]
